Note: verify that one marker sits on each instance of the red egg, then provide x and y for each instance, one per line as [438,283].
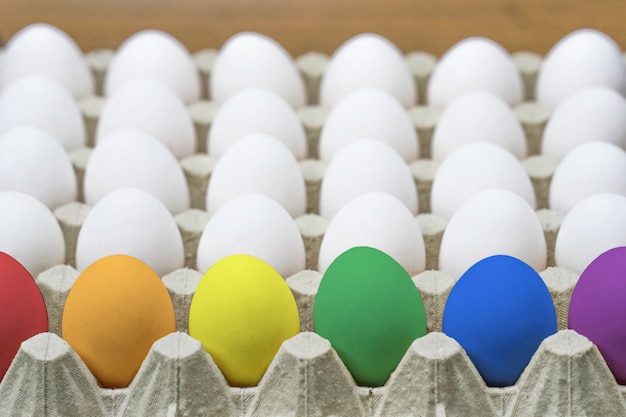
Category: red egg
[22,309]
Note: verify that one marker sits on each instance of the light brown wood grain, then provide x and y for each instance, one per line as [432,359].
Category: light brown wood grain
[321,25]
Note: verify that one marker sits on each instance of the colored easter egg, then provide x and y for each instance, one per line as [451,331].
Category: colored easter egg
[117,308]
[22,309]
[597,308]
[499,311]
[242,311]
[369,309]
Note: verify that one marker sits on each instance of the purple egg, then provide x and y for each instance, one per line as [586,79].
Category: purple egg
[597,309]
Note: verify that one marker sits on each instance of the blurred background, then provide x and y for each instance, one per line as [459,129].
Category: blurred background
[321,25]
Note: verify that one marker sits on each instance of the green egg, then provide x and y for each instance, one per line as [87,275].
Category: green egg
[369,309]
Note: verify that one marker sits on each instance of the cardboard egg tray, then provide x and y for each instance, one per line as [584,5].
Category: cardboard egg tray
[566,377]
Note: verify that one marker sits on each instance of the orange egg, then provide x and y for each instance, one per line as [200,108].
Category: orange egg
[117,308]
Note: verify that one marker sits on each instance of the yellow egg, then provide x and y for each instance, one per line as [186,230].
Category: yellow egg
[117,308]
[242,311]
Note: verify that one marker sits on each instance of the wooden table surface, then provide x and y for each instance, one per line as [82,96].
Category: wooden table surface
[321,25]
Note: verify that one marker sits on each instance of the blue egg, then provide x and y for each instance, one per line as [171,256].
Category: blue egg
[500,311]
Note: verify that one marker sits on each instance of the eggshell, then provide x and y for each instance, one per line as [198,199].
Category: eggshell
[478,116]
[367,60]
[46,51]
[499,311]
[256,110]
[256,225]
[597,306]
[131,221]
[258,163]
[242,311]
[366,165]
[372,114]
[250,59]
[22,309]
[35,163]
[474,64]
[370,311]
[583,58]
[132,158]
[591,114]
[593,226]
[158,56]
[153,108]
[492,222]
[39,102]
[591,168]
[476,167]
[30,232]
[380,221]
[116,309]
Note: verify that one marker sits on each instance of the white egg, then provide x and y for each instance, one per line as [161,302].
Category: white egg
[258,164]
[133,222]
[367,61]
[475,64]
[583,58]
[152,107]
[473,168]
[377,220]
[33,162]
[157,56]
[366,165]
[492,222]
[249,60]
[478,116]
[39,102]
[591,168]
[253,224]
[591,114]
[372,114]
[132,158]
[30,232]
[46,51]
[593,226]
[256,110]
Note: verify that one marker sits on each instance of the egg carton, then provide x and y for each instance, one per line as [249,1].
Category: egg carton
[567,375]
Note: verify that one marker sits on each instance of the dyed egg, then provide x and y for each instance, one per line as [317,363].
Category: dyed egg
[34,162]
[117,308]
[42,103]
[151,107]
[368,113]
[258,163]
[46,51]
[475,64]
[158,56]
[242,311]
[478,116]
[369,309]
[133,222]
[253,111]
[473,168]
[597,307]
[583,58]
[250,59]
[367,60]
[366,165]
[377,220]
[499,311]
[591,114]
[22,309]
[141,161]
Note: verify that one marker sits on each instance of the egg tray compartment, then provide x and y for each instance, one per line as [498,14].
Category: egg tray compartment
[567,376]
